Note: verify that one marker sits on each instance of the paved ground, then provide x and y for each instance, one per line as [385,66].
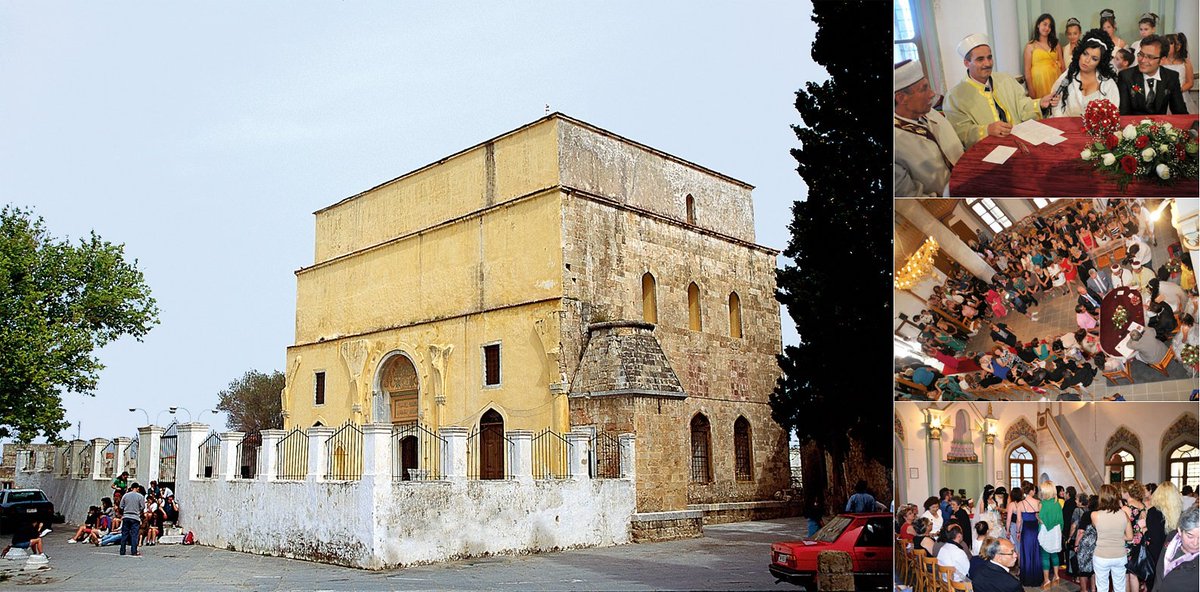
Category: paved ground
[728,557]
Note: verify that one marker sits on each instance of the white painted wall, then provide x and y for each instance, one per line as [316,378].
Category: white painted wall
[71,497]
[957,19]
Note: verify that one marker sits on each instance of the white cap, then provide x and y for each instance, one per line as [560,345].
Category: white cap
[907,75]
[971,42]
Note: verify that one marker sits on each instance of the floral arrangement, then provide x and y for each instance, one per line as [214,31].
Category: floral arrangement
[1190,355]
[1155,150]
[1173,265]
[1120,317]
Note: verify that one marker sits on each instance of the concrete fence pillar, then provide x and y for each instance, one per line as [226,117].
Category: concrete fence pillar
[318,453]
[78,469]
[120,450]
[39,460]
[229,463]
[377,451]
[61,455]
[628,451]
[187,454]
[520,454]
[578,465]
[454,453]
[97,460]
[149,451]
[268,454]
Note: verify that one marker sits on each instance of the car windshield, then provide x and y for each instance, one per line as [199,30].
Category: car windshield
[25,496]
[832,529]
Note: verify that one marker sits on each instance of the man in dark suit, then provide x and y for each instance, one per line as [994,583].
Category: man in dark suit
[990,572]
[1150,89]
[1001,334]
[1090,300]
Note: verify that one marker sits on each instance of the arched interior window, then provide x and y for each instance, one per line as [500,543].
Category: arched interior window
[735,316]
[694,322]
[743,454]
[1022,466]
[649,299]
[701,450]
[1122,466]
[1183,466]
[691,209]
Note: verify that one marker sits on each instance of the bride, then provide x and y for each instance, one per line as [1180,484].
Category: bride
[1089,77]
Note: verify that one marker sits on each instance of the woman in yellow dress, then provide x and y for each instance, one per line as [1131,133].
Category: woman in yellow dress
[1042,64]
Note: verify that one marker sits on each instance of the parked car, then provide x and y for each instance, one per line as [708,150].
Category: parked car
[24,504]
[868,538]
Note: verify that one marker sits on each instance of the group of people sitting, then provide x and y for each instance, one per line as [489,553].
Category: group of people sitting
[134,516]
[1039,260]
[1059,82]
[1129,534]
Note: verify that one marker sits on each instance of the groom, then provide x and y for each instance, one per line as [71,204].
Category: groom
[1149,89]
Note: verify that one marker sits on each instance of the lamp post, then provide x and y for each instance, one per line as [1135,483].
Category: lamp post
[132,409]
[189,413]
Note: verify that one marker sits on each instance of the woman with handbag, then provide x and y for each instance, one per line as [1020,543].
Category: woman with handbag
[1085,544]
[1113,530]
[1050,520]
[1138,567]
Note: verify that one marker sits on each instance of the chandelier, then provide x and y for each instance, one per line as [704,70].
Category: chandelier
[918,266]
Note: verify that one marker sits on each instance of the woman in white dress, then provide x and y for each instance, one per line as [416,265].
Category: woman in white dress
[1177,59]
[1089,77]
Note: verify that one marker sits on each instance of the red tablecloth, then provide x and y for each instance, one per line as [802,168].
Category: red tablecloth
[1110,336]
[1054,170]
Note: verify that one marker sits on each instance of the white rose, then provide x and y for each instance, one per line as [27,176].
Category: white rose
[1129,132]
[1163,171]
[1086,154]
[1148,154]
[1166,125]
[1145,121]
[1172,134]
[1162,148]
[1108,159]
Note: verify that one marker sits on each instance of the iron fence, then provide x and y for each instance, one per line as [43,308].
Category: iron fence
[605,461]
[551,455]
[247,455]
[109,457]
[292,452]
[488,454]
[168,450]
[210,457]
[416,453]
[344,451]
[131,458]
[85,460]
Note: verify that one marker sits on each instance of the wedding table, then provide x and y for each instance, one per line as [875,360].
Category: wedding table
[1055,171]
[1110,335]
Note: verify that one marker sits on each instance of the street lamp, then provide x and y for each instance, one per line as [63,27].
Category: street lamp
[174,409]
[132,409]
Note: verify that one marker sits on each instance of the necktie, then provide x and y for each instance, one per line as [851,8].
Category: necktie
[999,110]
[1149,91]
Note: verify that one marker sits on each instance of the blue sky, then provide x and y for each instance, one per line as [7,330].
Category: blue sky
[204,135]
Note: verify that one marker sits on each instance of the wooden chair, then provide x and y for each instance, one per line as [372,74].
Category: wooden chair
[929,573]
[945,575]
[1124,372]
[901,560]
[920,582]
[960,586]
[1162,364]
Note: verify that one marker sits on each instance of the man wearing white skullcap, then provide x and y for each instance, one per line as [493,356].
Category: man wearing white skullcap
[925,147]
[988,103]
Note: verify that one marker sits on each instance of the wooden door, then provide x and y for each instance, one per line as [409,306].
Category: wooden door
[491,446]
[408,456]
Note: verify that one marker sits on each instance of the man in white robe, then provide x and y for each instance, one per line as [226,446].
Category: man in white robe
[926,147]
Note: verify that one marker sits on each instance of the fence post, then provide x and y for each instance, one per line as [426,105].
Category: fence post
[120,447]
[626,444]
[268,454]
[520,454]
[149,444]
[454,453]
[377,451]
[577,461]
[77,449]
[187,454]
[97,460]
[228,456]
[318,456]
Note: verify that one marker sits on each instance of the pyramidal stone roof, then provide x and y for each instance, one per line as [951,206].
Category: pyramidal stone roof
[625,358]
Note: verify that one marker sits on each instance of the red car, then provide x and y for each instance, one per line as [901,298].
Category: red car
[868,538]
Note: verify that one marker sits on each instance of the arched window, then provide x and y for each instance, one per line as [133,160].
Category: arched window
[1022,466]
[694,322]
[649,299]
[691,209]
[735,316]
[1122,466]
[701,450]
[743,453]
[1183,466]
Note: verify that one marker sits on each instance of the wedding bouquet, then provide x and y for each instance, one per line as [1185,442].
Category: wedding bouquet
[1120,317]
[1190,355]
[1151,149]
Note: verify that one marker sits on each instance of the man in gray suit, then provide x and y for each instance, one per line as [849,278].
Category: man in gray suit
[1099,282]
[1148,349]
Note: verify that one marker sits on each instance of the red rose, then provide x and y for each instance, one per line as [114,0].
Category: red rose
[1154,129]
[1141,142]
[1129,163]
[1111,141]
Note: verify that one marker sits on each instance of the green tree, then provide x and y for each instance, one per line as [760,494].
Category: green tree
[59,303]
[253,403]
[837,287]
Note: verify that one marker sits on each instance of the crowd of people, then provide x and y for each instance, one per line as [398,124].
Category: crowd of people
[1150,76]
[132,517]
[1041,259]
[1128,535]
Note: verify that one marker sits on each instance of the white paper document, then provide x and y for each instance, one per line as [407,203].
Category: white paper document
[1056,140]
[1036,132]
[999,155]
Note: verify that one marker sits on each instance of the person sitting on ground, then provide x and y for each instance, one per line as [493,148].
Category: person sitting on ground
[26,535]
[89,524]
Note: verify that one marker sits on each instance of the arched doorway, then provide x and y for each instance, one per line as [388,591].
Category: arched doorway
[491,445]
[398,392]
